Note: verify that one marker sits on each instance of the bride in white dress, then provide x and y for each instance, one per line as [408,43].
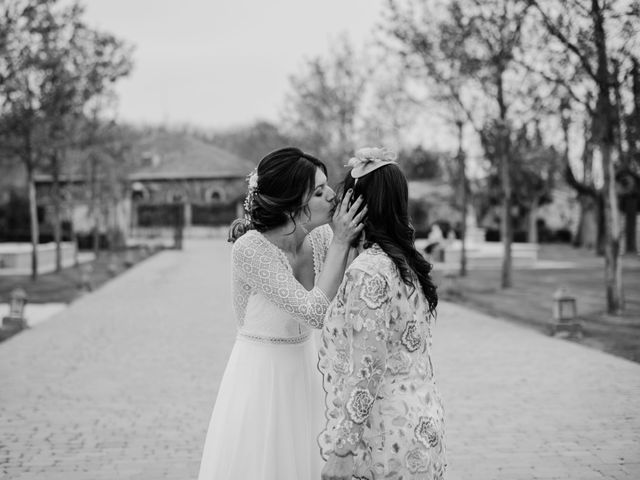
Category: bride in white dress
[287,265]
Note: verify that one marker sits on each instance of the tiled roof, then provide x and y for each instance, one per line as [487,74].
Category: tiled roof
[177,155]
[184,156]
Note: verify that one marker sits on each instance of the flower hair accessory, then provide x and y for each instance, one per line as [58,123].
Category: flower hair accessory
[252,180]
[367,160]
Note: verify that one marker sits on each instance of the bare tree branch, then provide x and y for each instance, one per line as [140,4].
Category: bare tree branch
[566,42]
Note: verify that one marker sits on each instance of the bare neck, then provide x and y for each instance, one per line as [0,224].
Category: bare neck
[283,238]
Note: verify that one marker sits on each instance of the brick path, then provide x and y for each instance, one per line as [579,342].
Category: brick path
[520,405]
[121,386]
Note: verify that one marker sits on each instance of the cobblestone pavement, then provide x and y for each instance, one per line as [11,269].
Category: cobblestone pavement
[520,405]
[121,386]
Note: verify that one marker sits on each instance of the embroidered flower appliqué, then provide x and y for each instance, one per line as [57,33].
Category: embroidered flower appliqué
[342,363]
[369,324]
[374,291]
[417,460]
[410,338]
[426,432]
[399,362]
[359,404]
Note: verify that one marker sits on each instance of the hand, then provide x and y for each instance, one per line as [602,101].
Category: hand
[338,468]
[347,222]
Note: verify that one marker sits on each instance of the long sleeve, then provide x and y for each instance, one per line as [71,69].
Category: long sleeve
[321,238]
[365,309]
[256,268]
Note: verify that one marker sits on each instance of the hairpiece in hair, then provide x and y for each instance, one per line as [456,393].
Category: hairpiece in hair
[367,160]
[252,180]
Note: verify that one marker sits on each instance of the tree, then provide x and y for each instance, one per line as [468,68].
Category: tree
[105,160]
[535,169]
[324,104]
[475,42]
[95,60]
[22,75]
[428,49]
[584,37]
[251,142]
[51,66]
[87,63]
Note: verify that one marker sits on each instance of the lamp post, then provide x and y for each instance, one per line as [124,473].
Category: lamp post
[564,313]
[86,283]
[15,321]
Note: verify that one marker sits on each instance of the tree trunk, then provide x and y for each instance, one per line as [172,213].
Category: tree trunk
[600,225]
[606,137]
[633,132]
[631,213]
[587,235]
[617,113]
[613,265]
[95,208]
[463,194]
[33,217]
[532,234]
[505,227]
[565,120]
[578,239]
[634,121]
[57,216]
[33,205]
[505,177]
[74,240]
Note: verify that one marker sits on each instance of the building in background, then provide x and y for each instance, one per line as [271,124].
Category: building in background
[169,180]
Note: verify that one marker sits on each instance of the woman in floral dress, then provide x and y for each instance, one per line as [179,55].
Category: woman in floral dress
[384,417]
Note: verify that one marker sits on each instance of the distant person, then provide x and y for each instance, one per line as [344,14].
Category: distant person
[434,239]
[384,416]
[286,267]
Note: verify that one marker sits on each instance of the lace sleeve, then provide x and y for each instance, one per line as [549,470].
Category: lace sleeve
[326,235]
[321,238]
[271,275]
[366,302]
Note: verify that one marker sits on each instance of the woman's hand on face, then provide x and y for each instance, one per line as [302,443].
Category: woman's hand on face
[347,222]
[338,468]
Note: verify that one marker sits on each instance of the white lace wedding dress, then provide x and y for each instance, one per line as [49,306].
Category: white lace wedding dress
[269,410]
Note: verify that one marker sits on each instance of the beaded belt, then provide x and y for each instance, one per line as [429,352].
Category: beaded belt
[276,340]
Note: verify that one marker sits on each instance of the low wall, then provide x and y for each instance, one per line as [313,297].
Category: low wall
[15,258]
[484,254]
[165,235]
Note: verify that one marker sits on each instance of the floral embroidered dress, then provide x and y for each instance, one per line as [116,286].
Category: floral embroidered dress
[269,408]
[381,397]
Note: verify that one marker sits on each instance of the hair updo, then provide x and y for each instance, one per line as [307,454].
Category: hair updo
[285,180]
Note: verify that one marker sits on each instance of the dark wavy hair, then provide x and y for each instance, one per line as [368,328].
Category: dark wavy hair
[386,195]
[286,178]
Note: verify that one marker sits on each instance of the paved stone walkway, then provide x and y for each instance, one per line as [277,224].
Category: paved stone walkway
[121,386]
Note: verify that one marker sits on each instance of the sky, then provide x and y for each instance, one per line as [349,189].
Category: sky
[222,63]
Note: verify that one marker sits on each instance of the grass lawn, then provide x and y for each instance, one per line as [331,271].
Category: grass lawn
[65,286]
[530,301]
